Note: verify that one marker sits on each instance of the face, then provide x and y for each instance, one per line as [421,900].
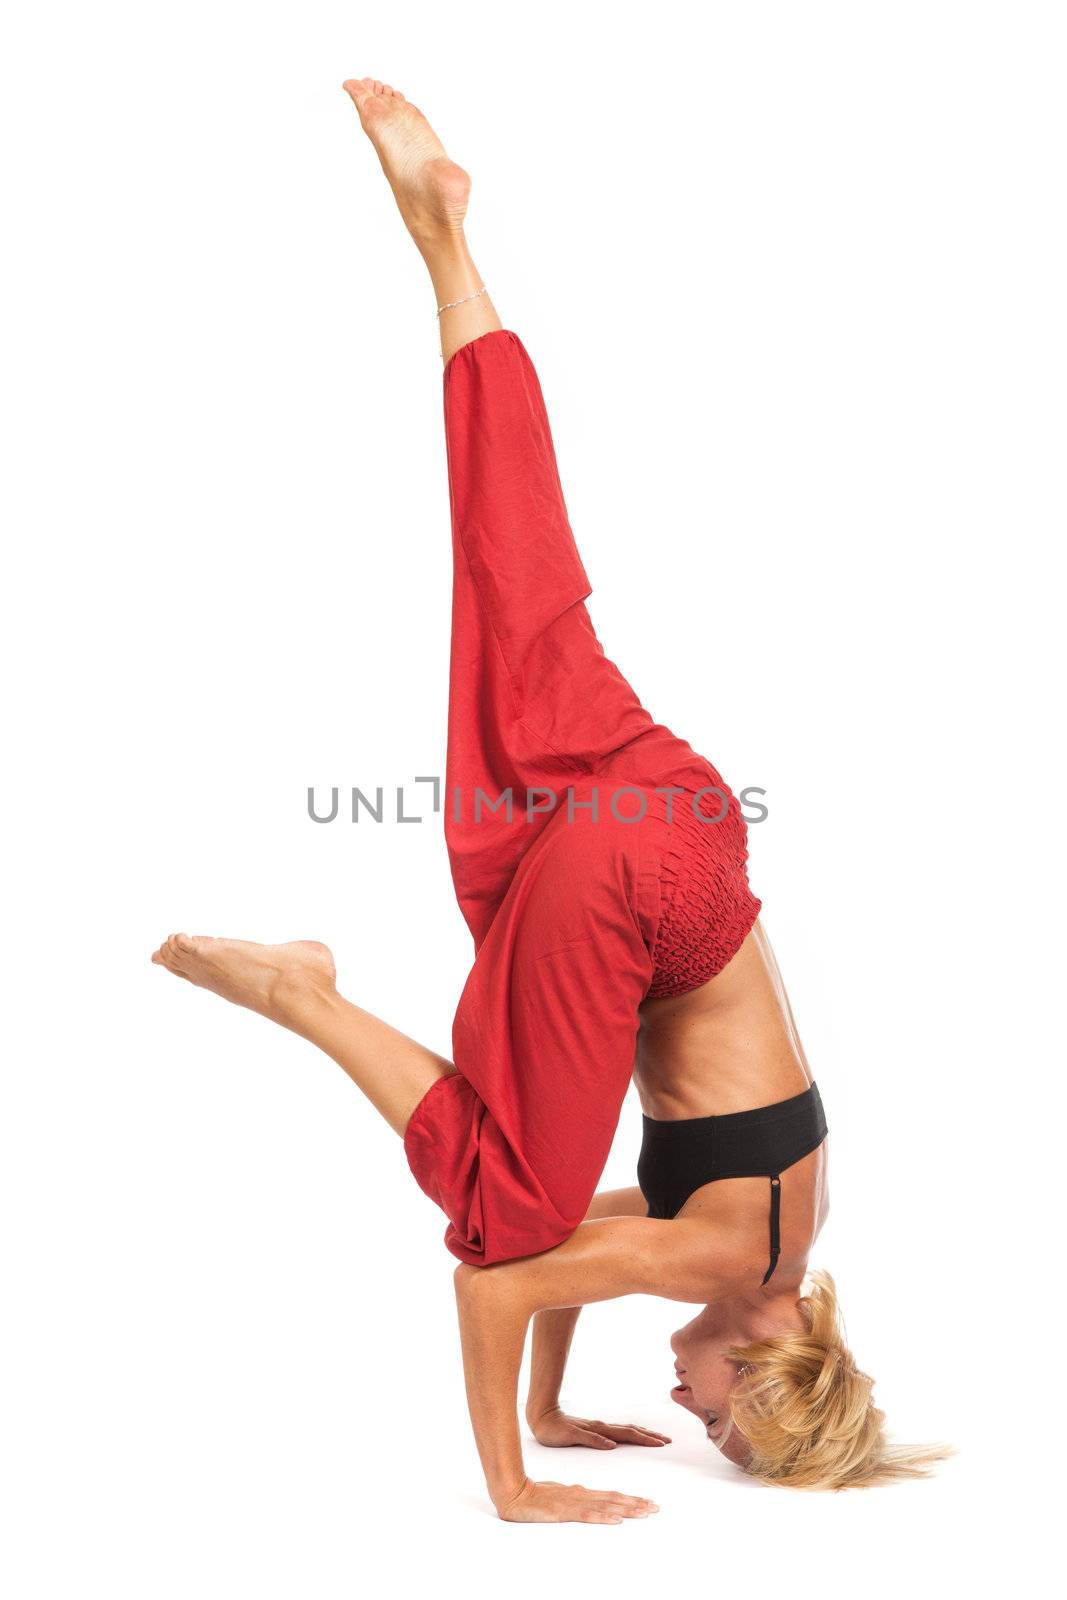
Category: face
[706,1375]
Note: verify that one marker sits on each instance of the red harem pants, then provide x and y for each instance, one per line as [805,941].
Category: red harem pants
[588,874]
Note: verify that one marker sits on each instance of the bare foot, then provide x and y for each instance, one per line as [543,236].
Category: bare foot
[269,978]
[430,190]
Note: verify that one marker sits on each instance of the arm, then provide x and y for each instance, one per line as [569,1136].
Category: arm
[553,1332]
[492,1330]
[601,1260]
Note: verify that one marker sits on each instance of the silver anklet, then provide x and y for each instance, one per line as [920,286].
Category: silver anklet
[453,303]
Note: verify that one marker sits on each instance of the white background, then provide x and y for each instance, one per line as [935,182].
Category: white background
[792,277]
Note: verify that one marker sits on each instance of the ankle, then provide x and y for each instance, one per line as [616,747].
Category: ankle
[298,992]
[449,263]
[442,245]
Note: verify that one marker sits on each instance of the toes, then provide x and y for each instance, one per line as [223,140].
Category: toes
[164,957]
[175,951]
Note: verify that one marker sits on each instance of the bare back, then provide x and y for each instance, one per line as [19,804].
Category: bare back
[728,1046]
[732,1045]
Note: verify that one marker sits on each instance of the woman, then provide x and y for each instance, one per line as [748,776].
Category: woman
[600,865]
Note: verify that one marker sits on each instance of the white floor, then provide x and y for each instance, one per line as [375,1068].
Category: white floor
[245,1381]
[312,1483]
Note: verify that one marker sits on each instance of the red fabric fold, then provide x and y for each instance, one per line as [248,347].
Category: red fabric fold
[565,906]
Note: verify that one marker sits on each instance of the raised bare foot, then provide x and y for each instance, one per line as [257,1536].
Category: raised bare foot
[269,978]
[430,190]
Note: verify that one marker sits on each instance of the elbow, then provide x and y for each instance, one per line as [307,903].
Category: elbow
[491,1291]
[475,1286]
[464,1278]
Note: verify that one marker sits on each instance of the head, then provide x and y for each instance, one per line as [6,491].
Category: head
[779,1394]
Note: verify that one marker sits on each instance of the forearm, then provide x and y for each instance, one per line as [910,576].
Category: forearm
[552,1335]
[602,1260]
[553,1331]
[492,1322]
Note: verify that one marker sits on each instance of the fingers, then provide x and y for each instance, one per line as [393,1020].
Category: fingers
[557,1502]
[617,1497]
[573,1435]
[593,1441]
[610,1506]
[612,1513]
[630,1433]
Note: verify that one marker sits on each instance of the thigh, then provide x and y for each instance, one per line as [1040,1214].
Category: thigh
[544,1039]
[534,702]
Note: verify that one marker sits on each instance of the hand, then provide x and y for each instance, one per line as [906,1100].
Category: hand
[571,1502]
[556,1428]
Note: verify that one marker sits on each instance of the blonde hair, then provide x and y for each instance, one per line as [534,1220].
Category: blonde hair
[807,1412]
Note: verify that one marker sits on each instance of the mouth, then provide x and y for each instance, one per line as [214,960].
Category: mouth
[681,1390]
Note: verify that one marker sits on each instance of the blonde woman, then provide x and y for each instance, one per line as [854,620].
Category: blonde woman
[600,863]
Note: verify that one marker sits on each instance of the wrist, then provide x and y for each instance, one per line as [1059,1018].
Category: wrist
[537,1409]
[505,1493]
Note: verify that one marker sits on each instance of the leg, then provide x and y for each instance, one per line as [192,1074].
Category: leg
[293,985]
[533,700]
[431,192]
[518,572]
[512,1145]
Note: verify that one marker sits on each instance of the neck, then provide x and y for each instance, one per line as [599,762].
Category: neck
[746,1318]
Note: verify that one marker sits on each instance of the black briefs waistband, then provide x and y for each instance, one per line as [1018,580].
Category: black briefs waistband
[679,1157]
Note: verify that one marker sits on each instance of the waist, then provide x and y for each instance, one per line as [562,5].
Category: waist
[757,1142]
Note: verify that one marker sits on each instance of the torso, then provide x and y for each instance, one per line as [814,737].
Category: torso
[732,1045]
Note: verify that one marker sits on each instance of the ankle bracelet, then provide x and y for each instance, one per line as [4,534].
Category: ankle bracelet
[453,303]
